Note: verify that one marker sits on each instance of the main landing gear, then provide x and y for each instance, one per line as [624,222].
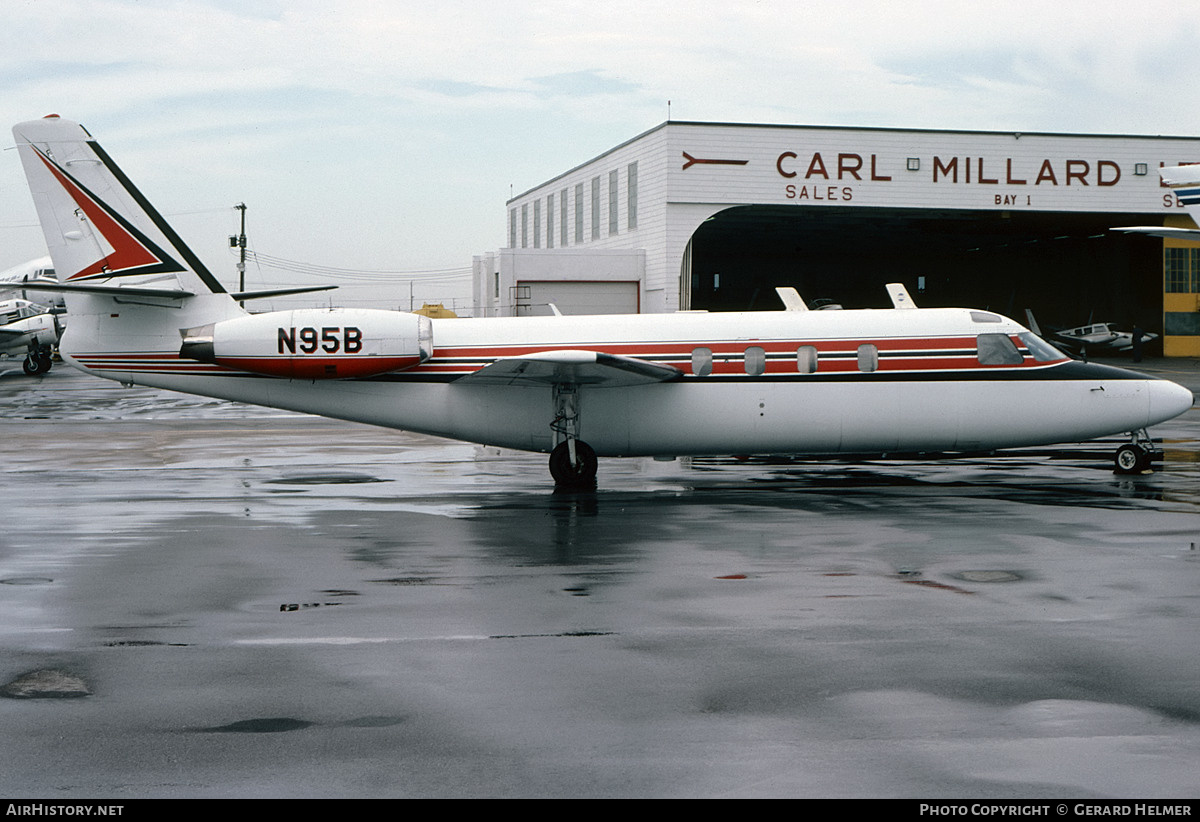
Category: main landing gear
[572,462]
[37,361]
[1135,456]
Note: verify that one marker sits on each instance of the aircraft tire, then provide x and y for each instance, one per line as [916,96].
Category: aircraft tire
[35,365]
[1131,459]
[580,475]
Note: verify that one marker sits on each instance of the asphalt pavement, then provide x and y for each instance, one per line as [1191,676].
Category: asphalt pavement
[204,599]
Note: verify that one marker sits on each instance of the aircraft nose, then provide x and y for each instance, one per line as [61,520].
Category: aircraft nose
[1168,400]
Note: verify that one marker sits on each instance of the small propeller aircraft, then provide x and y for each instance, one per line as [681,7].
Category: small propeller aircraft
[1100,338]
[32,328]
[144,309]
[1096,338]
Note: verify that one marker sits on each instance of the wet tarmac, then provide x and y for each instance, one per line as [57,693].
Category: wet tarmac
[202,599]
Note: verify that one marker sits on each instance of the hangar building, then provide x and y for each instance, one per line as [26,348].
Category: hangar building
[693,215]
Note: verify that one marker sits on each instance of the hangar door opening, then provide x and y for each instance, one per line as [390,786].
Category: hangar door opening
[1069,268]
[534,297]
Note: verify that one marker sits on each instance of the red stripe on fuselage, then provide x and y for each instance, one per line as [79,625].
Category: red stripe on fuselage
[913,355]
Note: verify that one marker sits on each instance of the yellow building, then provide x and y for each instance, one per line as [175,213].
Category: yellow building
[1181,292]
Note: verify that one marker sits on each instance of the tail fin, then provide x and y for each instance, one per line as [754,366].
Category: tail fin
[101,232]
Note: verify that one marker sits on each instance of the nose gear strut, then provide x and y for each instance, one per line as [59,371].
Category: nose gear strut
[1135,456]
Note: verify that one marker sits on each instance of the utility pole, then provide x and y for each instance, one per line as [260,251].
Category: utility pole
[240,243]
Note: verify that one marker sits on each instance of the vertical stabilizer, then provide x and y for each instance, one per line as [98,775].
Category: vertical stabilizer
[99,229]
[130,282]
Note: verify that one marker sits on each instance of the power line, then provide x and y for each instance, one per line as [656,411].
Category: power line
[363,275]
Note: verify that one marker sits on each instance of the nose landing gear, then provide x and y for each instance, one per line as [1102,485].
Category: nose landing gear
[1135,456]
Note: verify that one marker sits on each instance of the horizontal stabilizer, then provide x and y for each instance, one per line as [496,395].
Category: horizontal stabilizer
[573,367]
[105,290]
[279,292]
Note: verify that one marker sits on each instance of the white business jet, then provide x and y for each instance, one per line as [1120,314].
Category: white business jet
[25,278]
[145,310]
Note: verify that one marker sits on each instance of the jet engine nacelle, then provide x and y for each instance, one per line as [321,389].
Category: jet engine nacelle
[314,343]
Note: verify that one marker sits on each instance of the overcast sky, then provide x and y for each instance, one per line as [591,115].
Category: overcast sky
[387,136]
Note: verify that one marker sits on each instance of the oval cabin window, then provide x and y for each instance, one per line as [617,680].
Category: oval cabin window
[756,361]
[806,359]
[868,358]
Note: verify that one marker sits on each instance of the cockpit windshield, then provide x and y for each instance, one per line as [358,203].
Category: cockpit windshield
[1041,350]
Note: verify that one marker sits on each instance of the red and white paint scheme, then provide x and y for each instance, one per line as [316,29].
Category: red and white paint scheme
[145,310]
[314,344]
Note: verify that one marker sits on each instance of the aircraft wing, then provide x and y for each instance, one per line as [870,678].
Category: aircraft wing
[1192,234]
[569,366]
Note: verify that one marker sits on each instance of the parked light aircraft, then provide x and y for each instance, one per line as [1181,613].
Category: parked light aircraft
[1096,338]
[28,275]
[1099,338]
[144,309]
[32,328]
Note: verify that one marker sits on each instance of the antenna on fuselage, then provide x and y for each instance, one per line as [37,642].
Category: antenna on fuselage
[900,296]
[792,301]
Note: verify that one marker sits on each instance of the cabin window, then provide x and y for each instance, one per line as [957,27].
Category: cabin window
[755,361]
[868,358]
[806,359]
[702,361]
[997,349]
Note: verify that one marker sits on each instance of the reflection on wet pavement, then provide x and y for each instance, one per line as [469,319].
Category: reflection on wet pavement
[409,616]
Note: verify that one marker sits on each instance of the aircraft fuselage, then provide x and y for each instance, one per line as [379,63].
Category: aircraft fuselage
[761,382]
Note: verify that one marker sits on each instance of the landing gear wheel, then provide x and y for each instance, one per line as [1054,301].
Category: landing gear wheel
[580,475]
[34,365]
[1131,459]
